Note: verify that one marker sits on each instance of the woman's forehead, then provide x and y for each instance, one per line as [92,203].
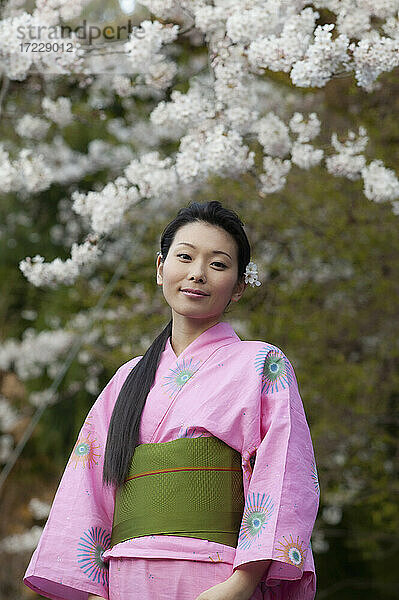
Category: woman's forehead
[203,234]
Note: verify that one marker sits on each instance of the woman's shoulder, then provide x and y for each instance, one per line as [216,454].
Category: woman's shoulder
[250,356]
[256,347]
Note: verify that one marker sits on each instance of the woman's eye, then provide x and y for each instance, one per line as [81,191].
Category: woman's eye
[214,263]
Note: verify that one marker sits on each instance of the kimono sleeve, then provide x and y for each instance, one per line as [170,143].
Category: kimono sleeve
[282,489]
[67,563]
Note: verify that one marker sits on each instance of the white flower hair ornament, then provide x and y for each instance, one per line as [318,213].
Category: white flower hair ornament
[251,274]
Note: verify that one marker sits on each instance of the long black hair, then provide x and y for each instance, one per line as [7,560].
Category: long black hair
[124,426]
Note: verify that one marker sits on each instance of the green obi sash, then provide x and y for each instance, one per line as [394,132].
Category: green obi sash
[190,487]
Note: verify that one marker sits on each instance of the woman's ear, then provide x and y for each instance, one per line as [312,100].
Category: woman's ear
[239,289]
[159,265]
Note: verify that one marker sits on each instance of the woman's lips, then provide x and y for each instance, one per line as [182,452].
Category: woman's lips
[193,295]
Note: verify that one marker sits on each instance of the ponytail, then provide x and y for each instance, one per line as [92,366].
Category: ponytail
[123,432]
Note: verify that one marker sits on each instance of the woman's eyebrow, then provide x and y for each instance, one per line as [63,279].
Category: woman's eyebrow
[212,251]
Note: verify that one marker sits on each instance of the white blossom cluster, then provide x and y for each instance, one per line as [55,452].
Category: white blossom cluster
[371,53]
[250,23]
[273,135]
[67,165]
[144,53]
[106,208]
[21,29]
[349,160]
[306,130]
[152,176]
[32,173]
[9,417]
[162,8]
[65,9]
[123,86]
[324,57]
[32,127]
[183,110]
[274,177]
[213,151]
[30,356]
[143,134]
[39,509]
[22,542]
[11,8]
[7,171]
[305,156]
[251,275]
[353,18]
[380,183]
[318,541]
[209,19]
[102,154]
[58,110]
[28,173]
[45,397]
[373,56]
[332,514]
[40,273]
[35,170]
[287,41]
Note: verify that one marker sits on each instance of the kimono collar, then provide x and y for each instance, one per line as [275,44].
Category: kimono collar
[218,335]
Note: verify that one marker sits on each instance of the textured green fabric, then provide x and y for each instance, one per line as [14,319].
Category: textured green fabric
[205,504]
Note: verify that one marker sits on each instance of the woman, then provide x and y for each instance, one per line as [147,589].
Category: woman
[193,476]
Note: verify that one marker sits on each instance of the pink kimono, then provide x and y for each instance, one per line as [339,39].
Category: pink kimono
[242,392]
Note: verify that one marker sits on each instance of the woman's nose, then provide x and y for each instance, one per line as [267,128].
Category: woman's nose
[197,272]
[197,277]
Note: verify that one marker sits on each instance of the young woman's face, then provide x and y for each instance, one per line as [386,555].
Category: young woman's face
[202,257]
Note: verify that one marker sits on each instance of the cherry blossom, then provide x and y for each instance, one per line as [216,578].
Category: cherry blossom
[212,124]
